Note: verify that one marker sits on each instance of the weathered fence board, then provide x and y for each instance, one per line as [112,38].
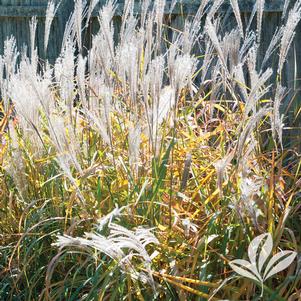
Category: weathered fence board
[14,20]
[15,15]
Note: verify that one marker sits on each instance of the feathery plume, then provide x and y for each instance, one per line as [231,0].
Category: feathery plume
[239,75]
[10,56]
[285,8]
[236,10]
[9,63]
[221,171]
[181,71]
[91,8]
[79,13]
[129,68]
[214,8]
[208,58]
[247,131]
[194,26]
[33,28]
[162,108]
[231,46]
[81,79]
[248,44]
[16,167]
[277,118]
[128,11]
[202,9]
[64,75]
[258,90]
[144,11]
[260,9]
[107,219]
[22,94]
[66,151]
[50,14]
[294,18]
[99,123]
[105,19]
[69,34]
[273,46]
[159,6]
[121,245]
[254,10]
[249,188]
[211,32]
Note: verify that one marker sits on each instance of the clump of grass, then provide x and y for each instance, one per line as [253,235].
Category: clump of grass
[140,170]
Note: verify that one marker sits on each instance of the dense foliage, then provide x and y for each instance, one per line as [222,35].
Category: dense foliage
[138,169]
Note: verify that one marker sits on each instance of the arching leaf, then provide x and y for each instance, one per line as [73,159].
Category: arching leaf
[254,246]
[284,259]
[265,251]
[245,269]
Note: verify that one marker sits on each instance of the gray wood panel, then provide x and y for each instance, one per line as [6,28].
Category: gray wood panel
[14,20]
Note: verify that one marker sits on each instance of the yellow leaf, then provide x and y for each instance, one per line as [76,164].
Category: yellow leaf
[161,227]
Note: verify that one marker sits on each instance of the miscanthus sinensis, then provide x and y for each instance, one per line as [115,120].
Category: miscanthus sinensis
[294,17]
[126,247]
[50,14]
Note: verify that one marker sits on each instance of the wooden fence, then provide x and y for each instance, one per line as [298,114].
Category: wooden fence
[15,16]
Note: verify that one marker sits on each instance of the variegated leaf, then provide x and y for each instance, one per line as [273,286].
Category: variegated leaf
[245,269]
[265,251]
[284,260]
[254,248]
